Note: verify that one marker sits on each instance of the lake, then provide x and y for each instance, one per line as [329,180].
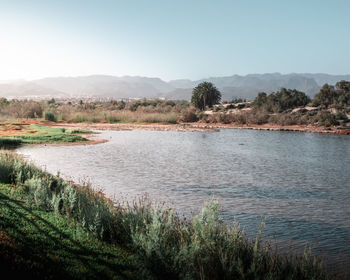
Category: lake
[298,183]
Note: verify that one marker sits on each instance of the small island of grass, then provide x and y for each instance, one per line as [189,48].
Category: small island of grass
[13,134]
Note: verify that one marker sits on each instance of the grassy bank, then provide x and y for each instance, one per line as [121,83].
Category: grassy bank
[18,134]
[36,243]
[49,227]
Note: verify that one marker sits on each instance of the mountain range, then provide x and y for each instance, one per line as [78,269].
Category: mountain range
[231,87]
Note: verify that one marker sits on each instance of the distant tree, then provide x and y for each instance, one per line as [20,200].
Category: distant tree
[205,94]
[343,85]
[281,100]
[338,96]
[121,105]
[325,97]
[261,99]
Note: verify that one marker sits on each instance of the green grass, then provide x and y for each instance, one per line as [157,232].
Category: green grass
[77,131]
[38,243]
[44,135]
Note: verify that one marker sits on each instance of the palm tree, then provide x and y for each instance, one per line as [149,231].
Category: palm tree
[205,94]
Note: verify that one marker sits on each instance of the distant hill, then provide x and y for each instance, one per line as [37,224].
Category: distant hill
[23,89]
[138,87]
[108,86]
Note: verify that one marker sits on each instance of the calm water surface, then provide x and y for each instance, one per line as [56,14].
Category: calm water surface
[299,183]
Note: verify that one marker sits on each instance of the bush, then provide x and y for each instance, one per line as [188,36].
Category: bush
[205,248]
[49,116]
[325,118]
[88,208]
[258,117]
[188,115]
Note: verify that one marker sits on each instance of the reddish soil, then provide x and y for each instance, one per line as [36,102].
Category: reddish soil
[23,127]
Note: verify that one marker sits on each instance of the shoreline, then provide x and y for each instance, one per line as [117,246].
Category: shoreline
[201,127]
[9,130]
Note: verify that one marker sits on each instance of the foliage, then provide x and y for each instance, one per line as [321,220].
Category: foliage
[206,248]
[188,115]
[281,100]
[39,244]
[49,116]
[205,94]
[325,118]
[338,96]
[90,209]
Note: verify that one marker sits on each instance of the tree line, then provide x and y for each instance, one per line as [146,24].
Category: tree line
[338,96]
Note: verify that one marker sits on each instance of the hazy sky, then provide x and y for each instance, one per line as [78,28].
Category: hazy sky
[172,39]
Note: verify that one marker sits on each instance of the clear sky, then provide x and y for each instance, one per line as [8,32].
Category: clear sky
[172,39]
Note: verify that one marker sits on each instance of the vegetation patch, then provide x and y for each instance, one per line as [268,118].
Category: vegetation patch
[8,143]
[42,135]
[37,244]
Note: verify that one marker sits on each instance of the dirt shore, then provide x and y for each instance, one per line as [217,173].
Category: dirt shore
[202,127]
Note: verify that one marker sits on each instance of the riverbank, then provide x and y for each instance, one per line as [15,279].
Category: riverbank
[163,244]
[33,131]
[39,244]
[201,127]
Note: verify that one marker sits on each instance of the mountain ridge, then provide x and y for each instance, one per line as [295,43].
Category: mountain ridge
[234,86]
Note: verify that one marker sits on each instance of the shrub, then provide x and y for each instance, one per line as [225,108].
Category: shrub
[49,116]
[188,115]
[326,118]
[31,109]
[88,208]
[205,248]
[257,117]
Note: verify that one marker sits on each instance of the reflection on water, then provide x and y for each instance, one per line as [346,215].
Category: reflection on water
[299,183]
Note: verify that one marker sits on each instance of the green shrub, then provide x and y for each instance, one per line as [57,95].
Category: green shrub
[88,208]
[38,193]
[49,116]
[205,248]
[326,118]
